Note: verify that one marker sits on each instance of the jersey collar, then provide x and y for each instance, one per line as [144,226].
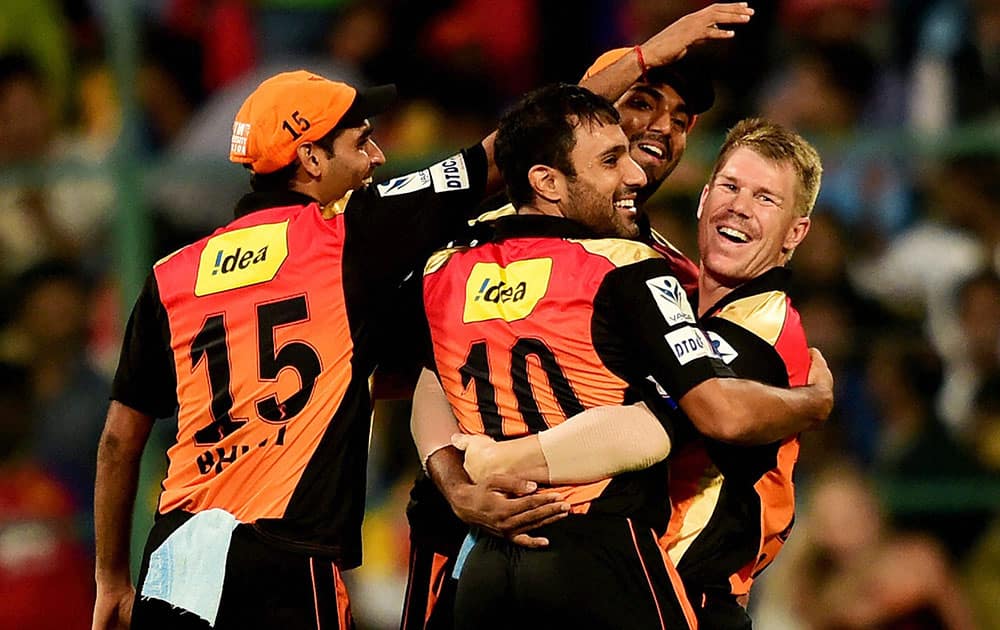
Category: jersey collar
[539,225]
[774,279]
[251,202]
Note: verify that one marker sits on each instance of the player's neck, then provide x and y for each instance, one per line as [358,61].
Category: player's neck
[711,289]
[536,207]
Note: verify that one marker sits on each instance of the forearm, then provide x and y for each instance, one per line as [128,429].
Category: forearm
[432,422]
[118,458]
[602,442]
[749,413]
[615,80]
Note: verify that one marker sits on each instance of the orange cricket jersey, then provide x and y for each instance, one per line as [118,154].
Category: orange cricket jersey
[263,337]
[534,327]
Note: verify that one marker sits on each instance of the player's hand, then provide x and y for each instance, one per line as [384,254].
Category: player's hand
[508,507]
[821,379]
[481,456]
[672,43]
[113,608]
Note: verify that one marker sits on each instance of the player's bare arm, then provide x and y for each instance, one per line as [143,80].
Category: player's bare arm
[667,46]
[606,441]
[125,434]
[504,505]
[749,413]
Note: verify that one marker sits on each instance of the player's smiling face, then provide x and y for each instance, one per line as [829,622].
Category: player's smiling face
[602,195]
[656,121]
[352,162]
[749,221]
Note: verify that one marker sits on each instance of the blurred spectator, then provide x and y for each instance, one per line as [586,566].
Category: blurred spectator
[54,211]
[67,396]
[845,569]
[914,446]
[955,76]
[979,317]
[38,30]
[828,91]
[46,577]
[920,270]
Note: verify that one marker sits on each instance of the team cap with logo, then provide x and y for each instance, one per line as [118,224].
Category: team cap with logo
[296,107]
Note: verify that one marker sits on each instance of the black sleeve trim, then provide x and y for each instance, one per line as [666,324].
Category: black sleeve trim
[644,327]
[146,378]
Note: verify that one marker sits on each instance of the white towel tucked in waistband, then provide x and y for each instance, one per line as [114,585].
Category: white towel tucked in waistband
[188,569]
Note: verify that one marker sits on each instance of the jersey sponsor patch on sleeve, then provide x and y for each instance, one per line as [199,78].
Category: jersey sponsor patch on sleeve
[240,258]
[450,174]
[723,348]
[689,343]
[671,300]
[405,184]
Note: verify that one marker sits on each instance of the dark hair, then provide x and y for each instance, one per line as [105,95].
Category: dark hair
[18,65]
[281,179]
[538,129]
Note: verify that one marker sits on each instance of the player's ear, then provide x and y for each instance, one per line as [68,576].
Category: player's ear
[307,154]
[701,201]
[545,181]
[796,233]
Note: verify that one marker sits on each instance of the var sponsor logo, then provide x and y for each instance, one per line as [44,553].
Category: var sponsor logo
[509,293]
[671,299]
[450,174]
[405,184]
[688,343]
[722,348]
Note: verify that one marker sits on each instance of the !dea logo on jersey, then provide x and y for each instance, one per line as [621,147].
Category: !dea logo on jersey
[688,344]
[722,347]
[671,300]
[241,258]
[509,293]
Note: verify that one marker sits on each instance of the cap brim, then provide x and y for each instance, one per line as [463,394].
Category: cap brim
[691,78]
[368,102]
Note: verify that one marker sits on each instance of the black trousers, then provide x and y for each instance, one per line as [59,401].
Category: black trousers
[264,587]
[598,572]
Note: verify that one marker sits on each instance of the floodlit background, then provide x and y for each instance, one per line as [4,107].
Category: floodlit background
[115,120]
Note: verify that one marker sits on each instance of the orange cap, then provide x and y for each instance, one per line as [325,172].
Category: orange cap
[604,61]
[296,107]
[690,76]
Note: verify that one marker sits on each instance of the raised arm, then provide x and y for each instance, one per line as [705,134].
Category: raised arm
[666,47]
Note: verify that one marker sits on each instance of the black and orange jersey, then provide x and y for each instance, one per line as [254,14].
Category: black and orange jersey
[544,321]
[733,507]
[263,337]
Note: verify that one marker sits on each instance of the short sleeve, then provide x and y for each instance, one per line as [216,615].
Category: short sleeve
[146,379]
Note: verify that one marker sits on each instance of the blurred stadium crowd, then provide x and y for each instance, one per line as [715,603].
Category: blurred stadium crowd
[898,284]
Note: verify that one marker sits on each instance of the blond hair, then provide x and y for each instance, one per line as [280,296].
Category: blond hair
[778,144]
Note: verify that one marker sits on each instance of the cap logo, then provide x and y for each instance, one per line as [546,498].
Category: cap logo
[241,131]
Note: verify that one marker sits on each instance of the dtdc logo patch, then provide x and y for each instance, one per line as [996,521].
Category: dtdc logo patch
[671,300]
[689,343]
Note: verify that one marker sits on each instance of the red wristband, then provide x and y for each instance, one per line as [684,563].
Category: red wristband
[643,68]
